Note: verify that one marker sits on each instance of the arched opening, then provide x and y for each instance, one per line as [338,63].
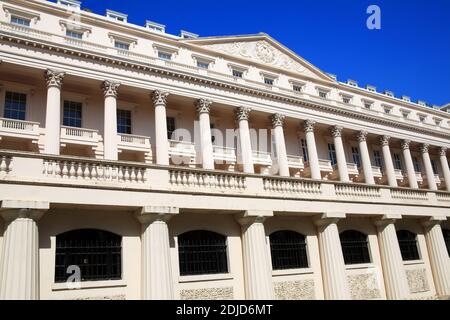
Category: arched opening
[355,247]
[408,245]
[288,250]
[446,233]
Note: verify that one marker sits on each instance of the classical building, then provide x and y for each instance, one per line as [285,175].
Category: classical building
[135,164]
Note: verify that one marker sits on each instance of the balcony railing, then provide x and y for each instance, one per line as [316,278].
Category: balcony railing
[79,136]
[296,162]
[224,154]
[262,158]
[399,174]
[133,142]
[19,129]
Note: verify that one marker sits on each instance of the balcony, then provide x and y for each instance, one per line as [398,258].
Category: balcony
[352,170]
[79,136]
[399,175]
[182,152]
[297,165]
[326,169]
[134,143]
[224,154]
[262,158]
[19,129]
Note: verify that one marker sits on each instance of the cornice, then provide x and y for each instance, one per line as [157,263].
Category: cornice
[121,61]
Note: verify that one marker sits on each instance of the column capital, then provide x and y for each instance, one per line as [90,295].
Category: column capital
[254,216]
[150,214]
[387,219]
[384,140]
[159,97]
[243,113]
[336,131]
[15,209]
[328,218]
[203,106]
[443,151]
[110,88]
[405,144]
[54,78]
[309,126]
[432,221]
[424,148]
[362,136]
[277,119]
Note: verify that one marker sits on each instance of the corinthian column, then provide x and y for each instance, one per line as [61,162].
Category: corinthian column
[365,157]
[157,280]
[409,165]
[444,165]
[314,165]
[331,257]
[203,108]
[428,167]
[19,277]
[242,116]
[280,144]
[161,143]
[390,172]
[257,269]
[336,132]
[393,270]
[53,111]
[438,255]
[110,91]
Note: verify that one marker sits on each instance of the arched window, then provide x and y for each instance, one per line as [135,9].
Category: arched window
[288,250]
[355,247]
[408,245]
[202,252]
[446,233]
[97,253]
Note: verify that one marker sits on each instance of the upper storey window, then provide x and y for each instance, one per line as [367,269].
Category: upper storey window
[422,118]
[15,105]
[347,99]
[297,86]
[387,110]
[72,114]
[405,114]
[122,42]
[20,21]
[74,34]
[202,62]
[323,93]
[238,73]
[156,27]
[117,16]
[164,55]
[368,104]
[121,45]
[20,17]
[124,121]
[269,81]
[389,93]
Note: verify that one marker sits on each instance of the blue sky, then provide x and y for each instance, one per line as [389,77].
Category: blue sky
[410,55]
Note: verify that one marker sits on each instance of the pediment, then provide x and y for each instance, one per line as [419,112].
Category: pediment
[263,50]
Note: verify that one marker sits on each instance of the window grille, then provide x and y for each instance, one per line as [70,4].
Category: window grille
[355,247]
[332,154]
[408,245]
[124,121]
[288,250]
[446,233]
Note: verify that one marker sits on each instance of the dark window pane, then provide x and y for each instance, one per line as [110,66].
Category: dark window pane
[355,247]
[124,121]
[446,233]
[72,114]
[408,245]
[202,252]
[15,105]
[288,250]
[171,127]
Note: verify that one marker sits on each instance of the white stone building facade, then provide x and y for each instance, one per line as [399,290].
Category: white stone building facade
[182,167]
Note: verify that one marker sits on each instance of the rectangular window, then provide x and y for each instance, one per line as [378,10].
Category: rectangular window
[346,100]
[203,65]
[212,126]
[368,105]
[387,110]
[332,154]
[297,88]
[15,105]
[416,163]
[397,162]
[20,21]
[72,114]
[268,81]
[378,160]
[238,74]
[323,94]
[434,166]
[74,34]
[122,45]
[164,55]
[305,150]
[170,127]
[124,121]
[356,157]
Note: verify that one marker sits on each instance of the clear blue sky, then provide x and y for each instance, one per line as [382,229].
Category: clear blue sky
[410,55]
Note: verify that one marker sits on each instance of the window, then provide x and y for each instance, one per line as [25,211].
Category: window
[346,99]
[269,81]
[356,156]
[434,166]
[288,250]
[438,121]
[212,126]
[20,21]
[72,114]
[446,233]
[422,118]
[387,110]
[332,154]
[202,252]
[15,105]
[408,245]
[155,26]
[70,3]
[116,16]
[405,114]
[170,127]
[124,121]
[74,34]
[297,88]
[305,150]
[121,45]
[397,162]
[202,64]
[368,105]
[416,164]
[355,247]
[238,73]
[164,55]
[323,94]
[378,160]
[98,254]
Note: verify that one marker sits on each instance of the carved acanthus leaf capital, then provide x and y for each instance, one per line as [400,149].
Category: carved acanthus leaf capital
[424,148]
[309,125]
[406,144]
[443,151]
[110,88]
[243,113]
[336,131]
[159,98]
[277,120]
[384,140]
[362,136]
[54,78]
[203,106]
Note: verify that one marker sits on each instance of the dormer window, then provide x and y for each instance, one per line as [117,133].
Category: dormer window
[371,88]
[352,83]
[72,4]
[389,93]
[156,27]
[406,98]
[422,103]
[117,16]
[25,22]
[332,76]
[188,35]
